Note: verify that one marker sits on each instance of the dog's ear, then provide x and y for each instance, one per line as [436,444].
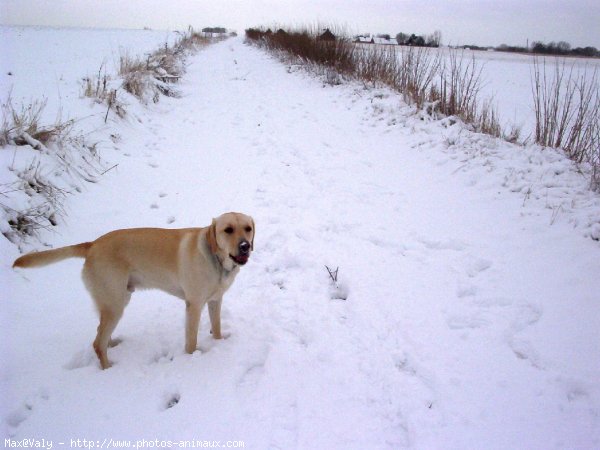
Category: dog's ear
[211,237]
[253,234]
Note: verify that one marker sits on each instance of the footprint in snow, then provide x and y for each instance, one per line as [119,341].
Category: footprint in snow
[447,244]
[81,359]
[165,355]
[171,400]
[523,349]
[22,413]
[476,266]
[466,290]
[467,322]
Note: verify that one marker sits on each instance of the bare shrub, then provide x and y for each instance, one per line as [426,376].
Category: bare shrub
[460,82]
[418,68]
[567,111]
[305,45]
[378,65]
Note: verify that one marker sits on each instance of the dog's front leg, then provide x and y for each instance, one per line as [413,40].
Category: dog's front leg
[214,311]
[192,322]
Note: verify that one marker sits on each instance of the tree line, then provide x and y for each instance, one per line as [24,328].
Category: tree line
[561,48]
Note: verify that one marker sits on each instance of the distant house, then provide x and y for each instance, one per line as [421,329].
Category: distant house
[384,41]
[375,40]
[327,36]
[364,40]
[211,32]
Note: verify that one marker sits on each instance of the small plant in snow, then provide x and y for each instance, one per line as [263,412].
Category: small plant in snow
[337,289]
[100,89]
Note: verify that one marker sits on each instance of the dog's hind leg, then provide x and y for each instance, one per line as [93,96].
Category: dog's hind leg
[108,322]
[109,292]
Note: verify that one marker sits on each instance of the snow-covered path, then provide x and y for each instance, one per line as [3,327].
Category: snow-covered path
[469,322]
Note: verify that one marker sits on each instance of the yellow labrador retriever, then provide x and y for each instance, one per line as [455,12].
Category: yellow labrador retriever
[195,264]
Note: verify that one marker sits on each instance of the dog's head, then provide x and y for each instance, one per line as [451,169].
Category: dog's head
[231,238]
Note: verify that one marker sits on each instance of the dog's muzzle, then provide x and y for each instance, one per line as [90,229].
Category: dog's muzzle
[243,253]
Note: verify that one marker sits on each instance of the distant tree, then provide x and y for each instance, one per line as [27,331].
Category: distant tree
[538,47]
[417,41]
[586,51]
[563,47]
[402,38]
[434,40]
[387,37]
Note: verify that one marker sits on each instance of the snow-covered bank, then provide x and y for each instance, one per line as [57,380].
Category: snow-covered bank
[472,311]
[54,144]
[51,63]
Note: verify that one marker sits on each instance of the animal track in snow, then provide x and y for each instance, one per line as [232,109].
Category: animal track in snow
[163,356]
[523,349]
[526,315]
[447,244]
[81,359]
[466,290]
[466,322]
[476,266]
[172,400]
[254,368]
[21,414]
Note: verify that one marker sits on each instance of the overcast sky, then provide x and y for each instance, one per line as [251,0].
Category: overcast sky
[484,22]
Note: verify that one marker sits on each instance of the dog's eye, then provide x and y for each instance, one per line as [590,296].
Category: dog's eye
[228,230]
[248,229]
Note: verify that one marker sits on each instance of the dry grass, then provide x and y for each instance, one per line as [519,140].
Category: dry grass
[99,88]
[154,76]
[567,112]
[448,86]
[21,126]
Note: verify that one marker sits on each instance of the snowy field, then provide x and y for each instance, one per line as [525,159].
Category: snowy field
[469,269]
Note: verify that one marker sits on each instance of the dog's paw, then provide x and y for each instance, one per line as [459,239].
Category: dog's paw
[222,335]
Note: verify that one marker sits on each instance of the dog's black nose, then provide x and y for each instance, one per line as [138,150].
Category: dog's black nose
[244,247]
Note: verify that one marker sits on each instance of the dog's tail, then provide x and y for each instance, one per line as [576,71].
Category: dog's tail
[46,257]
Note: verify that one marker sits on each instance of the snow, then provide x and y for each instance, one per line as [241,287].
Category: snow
[51,63]
[467,264]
